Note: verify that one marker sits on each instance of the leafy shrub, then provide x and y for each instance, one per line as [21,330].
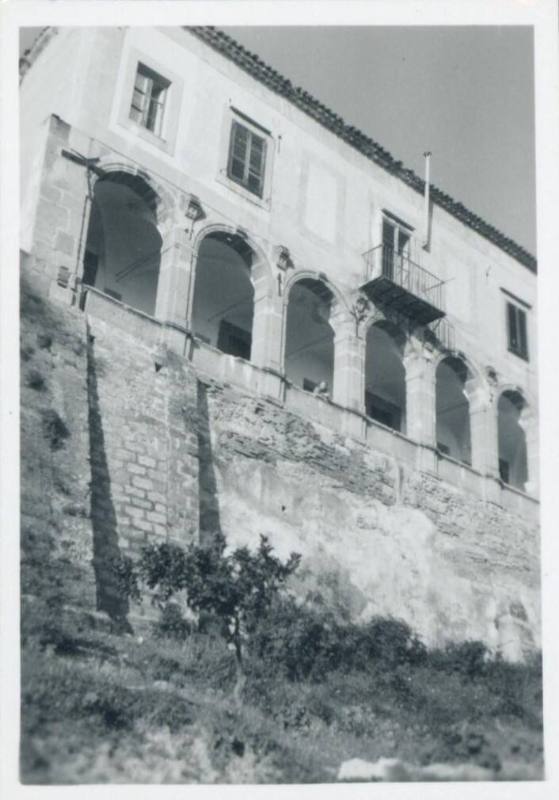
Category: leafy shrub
[291,638]
[309,643]
[236,588]
[392,641]
[172,623]
[470,658]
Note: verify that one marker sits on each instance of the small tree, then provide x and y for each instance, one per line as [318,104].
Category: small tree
[237,587]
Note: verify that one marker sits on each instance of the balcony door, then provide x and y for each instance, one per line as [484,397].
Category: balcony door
[396,242]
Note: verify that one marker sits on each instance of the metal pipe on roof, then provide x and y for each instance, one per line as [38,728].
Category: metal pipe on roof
[427,200]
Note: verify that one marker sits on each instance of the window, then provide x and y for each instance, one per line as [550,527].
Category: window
[148,99]
[516,323]
[247,158]
[234,340]
[396,241]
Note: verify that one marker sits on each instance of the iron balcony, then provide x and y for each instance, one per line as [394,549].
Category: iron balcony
[393,280]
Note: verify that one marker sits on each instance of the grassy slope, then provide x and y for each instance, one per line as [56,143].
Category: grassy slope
[101,707]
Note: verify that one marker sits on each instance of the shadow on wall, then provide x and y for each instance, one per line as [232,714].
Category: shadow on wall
[106,551]
[209,519]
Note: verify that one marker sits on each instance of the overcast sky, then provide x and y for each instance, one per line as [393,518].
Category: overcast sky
[465,93]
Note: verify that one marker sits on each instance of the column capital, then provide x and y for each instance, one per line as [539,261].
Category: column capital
[418,361]
[479,394]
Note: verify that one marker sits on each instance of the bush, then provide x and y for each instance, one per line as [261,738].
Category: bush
[392,641]
[297,641]
[236,588]
[470,658]
[172,623]
[309,643]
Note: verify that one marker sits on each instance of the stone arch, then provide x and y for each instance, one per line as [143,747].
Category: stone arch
[230,275]
[385,374]
[312,312]
[514,420]
[453,386]
[476,377]
[167,201]
[122,252]
[340,306]
[261,273]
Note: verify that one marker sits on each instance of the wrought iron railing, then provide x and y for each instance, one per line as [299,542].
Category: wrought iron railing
[444,332]
[384,262]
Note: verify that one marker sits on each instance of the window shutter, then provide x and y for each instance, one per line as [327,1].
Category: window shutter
[513,336]
[239,145]
[256,163]
[247,158]
[148,99]
[388,231]
[523,339]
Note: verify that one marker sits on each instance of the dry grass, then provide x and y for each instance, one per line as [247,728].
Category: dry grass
[104,708]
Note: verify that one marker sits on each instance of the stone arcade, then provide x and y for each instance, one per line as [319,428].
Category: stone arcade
[273,345]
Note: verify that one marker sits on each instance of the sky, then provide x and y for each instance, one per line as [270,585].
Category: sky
[464,93]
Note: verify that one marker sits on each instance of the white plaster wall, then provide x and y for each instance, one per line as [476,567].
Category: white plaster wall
[324,200]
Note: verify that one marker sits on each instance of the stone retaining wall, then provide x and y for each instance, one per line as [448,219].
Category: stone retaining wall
[159,451]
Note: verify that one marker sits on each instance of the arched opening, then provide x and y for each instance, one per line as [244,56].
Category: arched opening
[453,410]
[513,459]
[385,376]
[223,303]
[123,247]
[309,339]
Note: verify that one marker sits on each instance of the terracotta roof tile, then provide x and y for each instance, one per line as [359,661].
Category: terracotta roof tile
[251,63]
[262,72]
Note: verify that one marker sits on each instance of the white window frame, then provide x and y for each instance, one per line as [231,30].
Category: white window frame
[253,142]
[400,226]
[153,95]
[166,140]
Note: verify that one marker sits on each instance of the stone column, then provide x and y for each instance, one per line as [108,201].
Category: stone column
[173,286]
[483,428]
[267,335]
[349,375]
[421,406]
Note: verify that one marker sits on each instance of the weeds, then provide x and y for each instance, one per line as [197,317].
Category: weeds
[55,430]
[35,380]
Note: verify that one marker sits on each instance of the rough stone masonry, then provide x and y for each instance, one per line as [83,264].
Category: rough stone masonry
[157,452]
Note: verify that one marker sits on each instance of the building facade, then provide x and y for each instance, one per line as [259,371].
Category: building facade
[332,338]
